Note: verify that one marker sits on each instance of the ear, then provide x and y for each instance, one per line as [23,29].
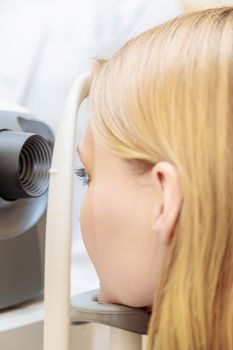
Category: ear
[166,175]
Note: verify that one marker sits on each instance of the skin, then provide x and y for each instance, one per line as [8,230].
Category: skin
[127,222]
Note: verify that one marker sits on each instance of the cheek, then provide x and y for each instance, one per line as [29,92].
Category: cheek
[105,225]
[101,220]
[87,225]
[116,235]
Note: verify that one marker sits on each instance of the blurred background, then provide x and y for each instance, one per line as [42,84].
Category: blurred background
[45,45]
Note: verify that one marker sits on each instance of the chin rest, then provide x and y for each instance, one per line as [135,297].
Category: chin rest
[85,308]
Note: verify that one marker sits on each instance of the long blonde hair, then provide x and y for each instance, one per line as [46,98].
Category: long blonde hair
[167,94]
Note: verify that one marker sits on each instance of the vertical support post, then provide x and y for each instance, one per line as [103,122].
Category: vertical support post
[124,340]
[59,224]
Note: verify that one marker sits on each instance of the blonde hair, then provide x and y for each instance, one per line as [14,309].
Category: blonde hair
[167,94]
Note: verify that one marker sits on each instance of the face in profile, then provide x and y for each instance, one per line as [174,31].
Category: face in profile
[118,223]
[164,235]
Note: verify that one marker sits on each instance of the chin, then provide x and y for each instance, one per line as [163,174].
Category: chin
[104,297]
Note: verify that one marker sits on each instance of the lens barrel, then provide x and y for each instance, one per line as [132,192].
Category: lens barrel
[25,160]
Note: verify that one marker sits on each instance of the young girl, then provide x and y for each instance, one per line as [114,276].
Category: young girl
[157,218]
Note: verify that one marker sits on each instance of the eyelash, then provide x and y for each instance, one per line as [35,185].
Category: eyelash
[84,177]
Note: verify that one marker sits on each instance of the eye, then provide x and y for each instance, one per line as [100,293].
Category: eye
[84,177]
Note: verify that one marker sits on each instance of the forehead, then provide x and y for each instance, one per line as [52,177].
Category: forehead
[92,154]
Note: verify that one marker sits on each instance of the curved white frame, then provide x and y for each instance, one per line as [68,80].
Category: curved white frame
[59,232]
[59,223]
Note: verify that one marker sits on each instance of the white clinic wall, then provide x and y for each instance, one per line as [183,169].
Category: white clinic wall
[192,5]
[45,44]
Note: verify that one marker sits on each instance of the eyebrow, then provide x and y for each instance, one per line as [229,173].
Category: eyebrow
[78,150]
[80,154]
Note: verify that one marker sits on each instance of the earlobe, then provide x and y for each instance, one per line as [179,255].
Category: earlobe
[171,201]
